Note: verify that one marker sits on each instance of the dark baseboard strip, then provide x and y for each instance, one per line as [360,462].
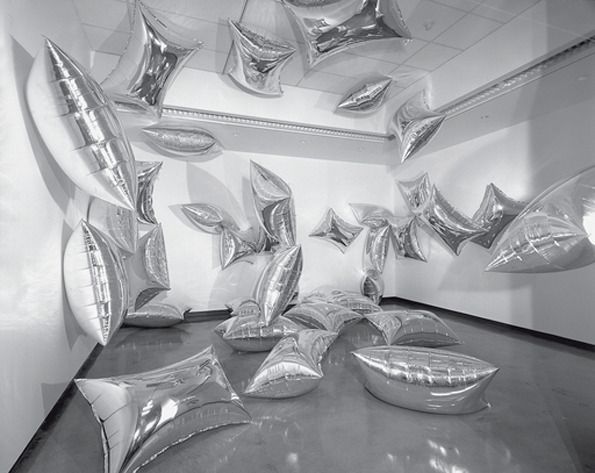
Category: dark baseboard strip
[193,316]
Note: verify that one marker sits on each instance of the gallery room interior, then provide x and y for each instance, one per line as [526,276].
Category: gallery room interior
[297,236]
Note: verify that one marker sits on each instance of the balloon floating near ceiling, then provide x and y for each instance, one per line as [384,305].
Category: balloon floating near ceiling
[156,52]
[555,232]
[372,285]
[323,316]
[413,327]
[180,140]
[405,239]
[414,124]
[116,222]
[335,230]
[273,202]
[329,27]
[154,315]
[143,414]
[293,366]
[426,379]
[366,97]
[256,61]
[496,211]
[146,172]
[95,283]
[79,125]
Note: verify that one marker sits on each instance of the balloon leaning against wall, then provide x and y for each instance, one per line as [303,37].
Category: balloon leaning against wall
[115,261]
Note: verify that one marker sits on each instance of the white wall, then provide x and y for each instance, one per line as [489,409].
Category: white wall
[522,160]
[41,346]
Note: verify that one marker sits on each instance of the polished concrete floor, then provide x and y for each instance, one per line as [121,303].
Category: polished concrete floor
[541,419]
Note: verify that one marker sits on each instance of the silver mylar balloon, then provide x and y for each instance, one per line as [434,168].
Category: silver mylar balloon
[335,230]
[415,124]
[496,211]
[233,246]
[293,366]
[331,26]
[426,379]
[273,202]
[154,315]
[376,247]
[209,218]
[555,232]
[80,127]
[256,61]
[147,268]
[146,172]
[143,414]
[118,223]
[413,327]
[416,192]
[372,285]
[348,299]
[180,140]
[323,315]
[241,306]
[95,283]
[278,283]
[370,215]
[405,238]
[367,96]
[246,333]
[154,55]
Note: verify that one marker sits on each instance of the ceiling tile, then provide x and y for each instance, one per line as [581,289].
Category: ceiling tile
[428,19]
[214,36]
[106,41]
[211,10]
[294,70]
[432,56]
[465,5]
[110,14]
[514,7]
[393,51]
[346,64]
[206,60]
[326,82]
[468,31]
[493,13]
[404,76]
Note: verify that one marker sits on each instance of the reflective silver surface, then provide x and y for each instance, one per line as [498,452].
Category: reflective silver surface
[331,26]
[143,414]
[348,299]
[246,332]
[243,306]
[116,222]
[373,216]
[495,212]
[555,232]
[95,283]
[376,247]
[154,315]
[154,55]
[208,218]
[273,202]
[80,127]
[179,139]
[367,96]
[278,283]
[416,192]
[147,268]
[256,60]
[293,366]
[234,245]
[323,316]
[372,285]
[414,124]
[426,379]
[335,230]
[146,172]
[405,238]
[413,327]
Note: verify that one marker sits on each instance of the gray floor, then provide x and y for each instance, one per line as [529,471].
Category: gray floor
[541,419]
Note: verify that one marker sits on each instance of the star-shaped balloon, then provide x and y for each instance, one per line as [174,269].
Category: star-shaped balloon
[156,52]
[234,245]
[323,315]
[335,230]
[273,202]
[278,282]
[180,139]
[116,222]
[496,211]
[415,124]
[372,216]
[154,315]
[413,327]
[146,172]
[256,61]
[80,127]
[329,26]
[246,332]
[376,247]
[95,282]
[426,379]
[293,366]
[209,218]
[405,238]
[372,285]
[367,96]
[554,232]
[416,192]
[143,414]
[147,268]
